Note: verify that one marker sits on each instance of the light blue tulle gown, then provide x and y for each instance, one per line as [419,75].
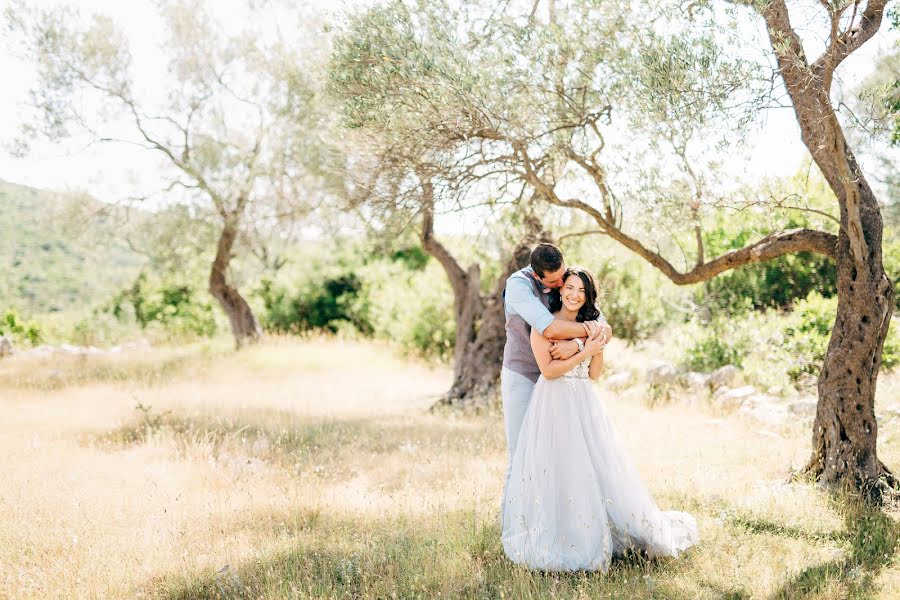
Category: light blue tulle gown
[574,499]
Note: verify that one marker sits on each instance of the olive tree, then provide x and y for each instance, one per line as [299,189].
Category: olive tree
[233,122]
[579,101]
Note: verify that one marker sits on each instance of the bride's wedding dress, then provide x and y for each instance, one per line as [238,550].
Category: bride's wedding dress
[574,499]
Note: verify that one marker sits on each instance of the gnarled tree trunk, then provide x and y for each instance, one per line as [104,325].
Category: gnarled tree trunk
[476,365]
[480,319]
[244,325]
[845,430]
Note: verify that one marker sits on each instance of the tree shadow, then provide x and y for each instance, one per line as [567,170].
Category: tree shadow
[756,524]
[455,554]
[872,537]
[286,439]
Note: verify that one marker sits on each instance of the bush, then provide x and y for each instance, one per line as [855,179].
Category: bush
[315,306]
[630,300]
[173,310]
[775,283]
[414,309]
[808,331]
[19,331]
[722,342]
[712,352]
[101,329]
[891,259]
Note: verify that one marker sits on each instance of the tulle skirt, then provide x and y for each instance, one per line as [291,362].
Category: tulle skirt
[574,499]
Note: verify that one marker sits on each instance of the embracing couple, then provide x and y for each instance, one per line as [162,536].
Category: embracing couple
[572,498]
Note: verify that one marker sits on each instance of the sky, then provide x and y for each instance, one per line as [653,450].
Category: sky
[115,172]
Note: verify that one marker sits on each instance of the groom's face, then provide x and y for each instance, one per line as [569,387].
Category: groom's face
[554,280]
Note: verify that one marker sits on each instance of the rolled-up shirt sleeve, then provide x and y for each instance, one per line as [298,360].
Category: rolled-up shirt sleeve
[520,299]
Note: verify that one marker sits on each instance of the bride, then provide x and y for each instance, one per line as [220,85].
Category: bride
[573,498]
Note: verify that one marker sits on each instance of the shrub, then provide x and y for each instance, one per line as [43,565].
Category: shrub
[775,283]
[172,309]
[13,327]
[414,309]
[100,329]
[722,342]
[315,306]
[891,260]
[808,331]
[630,300]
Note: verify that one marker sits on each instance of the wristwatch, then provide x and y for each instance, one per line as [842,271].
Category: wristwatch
[580,344]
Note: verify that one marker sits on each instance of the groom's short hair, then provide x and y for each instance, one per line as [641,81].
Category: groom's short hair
[546,258]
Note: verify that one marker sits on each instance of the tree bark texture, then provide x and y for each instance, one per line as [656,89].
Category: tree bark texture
[244,324]
[845,432]
[480,319]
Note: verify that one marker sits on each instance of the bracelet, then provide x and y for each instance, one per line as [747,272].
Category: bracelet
[580,344]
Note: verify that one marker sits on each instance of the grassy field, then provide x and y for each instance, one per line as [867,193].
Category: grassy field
[313,469]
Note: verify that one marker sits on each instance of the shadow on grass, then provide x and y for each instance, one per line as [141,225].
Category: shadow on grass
[450,555]
[148,368]
[287,440]
[759,525]
[871,538]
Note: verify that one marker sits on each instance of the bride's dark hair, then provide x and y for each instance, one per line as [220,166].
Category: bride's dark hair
[588,310]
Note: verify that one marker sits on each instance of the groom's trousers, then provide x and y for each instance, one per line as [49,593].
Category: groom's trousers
[515,391]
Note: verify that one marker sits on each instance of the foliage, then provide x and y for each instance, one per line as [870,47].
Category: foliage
[51,260]
[892,100]
[508,100]
[395,294]
[630,300]
[13,327]
[891,258]
[773,284]
[797,202]
[778,351]
[718,347]
[317,305]
[807,333]
[239,138]
[102,329]
[414,309]
[169,306]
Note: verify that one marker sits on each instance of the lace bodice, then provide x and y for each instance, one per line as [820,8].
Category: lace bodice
[580,371]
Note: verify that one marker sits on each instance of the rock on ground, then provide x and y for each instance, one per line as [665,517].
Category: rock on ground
[727,376]
[662,374]
[6,347]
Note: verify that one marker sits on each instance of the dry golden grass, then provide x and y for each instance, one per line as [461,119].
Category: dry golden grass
[314,469]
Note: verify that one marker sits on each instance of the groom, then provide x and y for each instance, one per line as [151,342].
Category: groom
[526,304]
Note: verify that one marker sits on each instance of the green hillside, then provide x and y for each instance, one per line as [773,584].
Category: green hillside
[54,261]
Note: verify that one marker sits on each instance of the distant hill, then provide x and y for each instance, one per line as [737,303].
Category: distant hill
[58,253]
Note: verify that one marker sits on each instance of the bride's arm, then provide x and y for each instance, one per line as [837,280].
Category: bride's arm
[550,367]
[596,365]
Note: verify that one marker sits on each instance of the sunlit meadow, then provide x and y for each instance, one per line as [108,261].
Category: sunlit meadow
[314,469]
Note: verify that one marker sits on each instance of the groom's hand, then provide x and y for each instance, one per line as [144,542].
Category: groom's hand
[605,332]
[598,330]
[564,349]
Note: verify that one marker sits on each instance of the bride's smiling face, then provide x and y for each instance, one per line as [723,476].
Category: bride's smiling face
[572,293]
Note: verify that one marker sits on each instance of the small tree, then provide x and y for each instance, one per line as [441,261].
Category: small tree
[234,131]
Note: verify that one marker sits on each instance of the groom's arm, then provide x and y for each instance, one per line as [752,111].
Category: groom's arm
[564,347]
[521,300]
[561,329]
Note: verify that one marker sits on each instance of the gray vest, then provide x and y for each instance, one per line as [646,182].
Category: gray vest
[517,354]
